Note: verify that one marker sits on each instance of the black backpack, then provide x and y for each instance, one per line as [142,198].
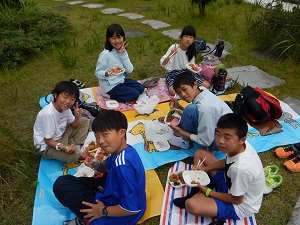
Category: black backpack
[256,105]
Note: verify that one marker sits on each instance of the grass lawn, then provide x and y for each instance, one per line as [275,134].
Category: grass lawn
[21,88]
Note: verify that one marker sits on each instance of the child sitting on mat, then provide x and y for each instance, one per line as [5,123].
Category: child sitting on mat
[58,134]
[239,178]
[179,55]
[113,65]
[199,119]
[123,200]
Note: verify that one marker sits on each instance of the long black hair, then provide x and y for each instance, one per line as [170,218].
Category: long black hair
[113,28]
[191,51]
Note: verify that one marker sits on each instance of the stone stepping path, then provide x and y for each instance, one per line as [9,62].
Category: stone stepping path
[156,24]
[75,2]
[132,16]
[245,75]
[111,10]
[174,34]
[134,33]
[93,6]
[254,77]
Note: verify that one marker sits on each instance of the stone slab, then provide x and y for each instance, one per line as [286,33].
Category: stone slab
[174,34]
[254,77]
[75,2]
[111,10]
[93,6]
[132,16]
[155,24]
[134,33]
[293,103]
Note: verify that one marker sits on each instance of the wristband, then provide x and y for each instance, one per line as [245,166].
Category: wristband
[208,190]
[57,146]
[96,163]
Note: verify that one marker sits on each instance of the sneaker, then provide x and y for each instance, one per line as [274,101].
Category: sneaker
[271,170]
[285,152]
[272,181]
[293,164]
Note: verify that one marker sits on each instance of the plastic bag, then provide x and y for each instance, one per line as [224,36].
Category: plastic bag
[157,131]
[146,105]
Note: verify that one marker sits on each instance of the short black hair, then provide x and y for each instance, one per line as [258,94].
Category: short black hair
[113,28]
[235,122]
[186,78]
[67,87]
[109,120]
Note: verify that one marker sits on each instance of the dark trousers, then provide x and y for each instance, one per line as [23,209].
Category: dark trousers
[71,191]
[130,90]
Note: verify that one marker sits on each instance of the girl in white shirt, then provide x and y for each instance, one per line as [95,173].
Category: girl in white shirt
[179,55]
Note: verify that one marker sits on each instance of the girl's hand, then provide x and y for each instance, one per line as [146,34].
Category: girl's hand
[95,210]
[174,51]
[123,47]
[108,73]
[77,111]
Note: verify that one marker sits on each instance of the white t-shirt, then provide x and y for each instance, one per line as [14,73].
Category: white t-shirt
[178,61]
[247,178]
[50,124]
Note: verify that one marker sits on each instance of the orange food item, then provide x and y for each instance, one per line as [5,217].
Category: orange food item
[193,182]
[194,67]
[115,70]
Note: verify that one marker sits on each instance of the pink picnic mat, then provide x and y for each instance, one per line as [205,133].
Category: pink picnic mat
[160,90]
[172,215]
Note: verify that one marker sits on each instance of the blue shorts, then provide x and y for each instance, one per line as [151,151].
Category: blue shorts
[225,210]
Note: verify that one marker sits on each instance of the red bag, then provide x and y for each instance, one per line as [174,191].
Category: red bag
[256,105]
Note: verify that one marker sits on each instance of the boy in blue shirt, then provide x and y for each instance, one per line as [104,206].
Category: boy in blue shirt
[199,119]
[123,200]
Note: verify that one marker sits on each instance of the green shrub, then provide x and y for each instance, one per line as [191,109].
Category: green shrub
[278,32]
[26,32]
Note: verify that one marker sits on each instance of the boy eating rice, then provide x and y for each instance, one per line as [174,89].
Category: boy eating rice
[239,178]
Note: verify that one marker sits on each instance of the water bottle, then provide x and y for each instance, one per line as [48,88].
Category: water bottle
[219,49]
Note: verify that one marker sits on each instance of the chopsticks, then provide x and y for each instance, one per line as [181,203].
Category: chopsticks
[199,164]
[174,51]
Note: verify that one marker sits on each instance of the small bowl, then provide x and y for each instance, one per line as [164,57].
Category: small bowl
[197,176]
[112,104]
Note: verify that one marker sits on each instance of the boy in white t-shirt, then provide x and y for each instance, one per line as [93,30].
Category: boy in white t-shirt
[239,178]
[58,134]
